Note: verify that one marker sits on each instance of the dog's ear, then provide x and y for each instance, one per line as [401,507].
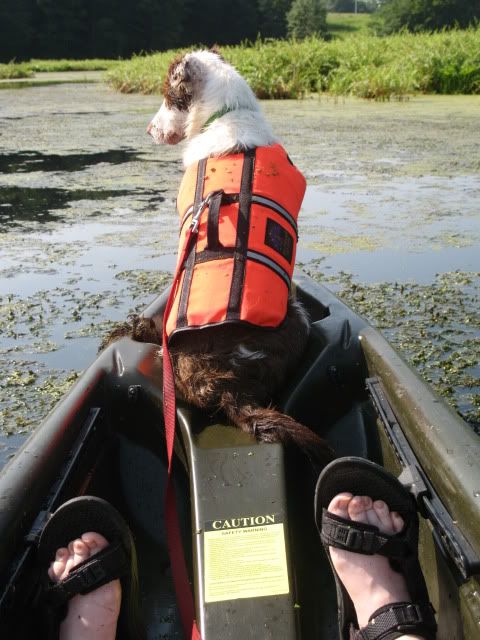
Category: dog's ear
[179,85]
[184,74]
[180,75]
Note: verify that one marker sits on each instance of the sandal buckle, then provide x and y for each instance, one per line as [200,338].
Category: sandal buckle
[354,539]
[362,541]
[412,614]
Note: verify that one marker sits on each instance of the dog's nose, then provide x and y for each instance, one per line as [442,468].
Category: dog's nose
[150,127]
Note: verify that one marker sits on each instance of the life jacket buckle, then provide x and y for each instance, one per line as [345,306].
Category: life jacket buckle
[201,208]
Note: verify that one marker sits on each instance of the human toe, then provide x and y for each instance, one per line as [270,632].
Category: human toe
[358,507]
[397,521]
[339,505]
[94,541]
[57,567]
[78,552]
[382,516]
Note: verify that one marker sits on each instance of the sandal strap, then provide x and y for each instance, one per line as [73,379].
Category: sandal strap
[363,538]
[395,620]
[105,566]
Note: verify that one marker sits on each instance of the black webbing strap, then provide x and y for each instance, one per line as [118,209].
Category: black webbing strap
[243,226]
[182,320]
[363,538]
[105,566]
[213,242]
[398,619]
[220,254]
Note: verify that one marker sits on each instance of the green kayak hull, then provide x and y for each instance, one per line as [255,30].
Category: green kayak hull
[256,564]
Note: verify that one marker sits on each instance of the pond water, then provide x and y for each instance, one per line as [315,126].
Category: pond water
[88,229]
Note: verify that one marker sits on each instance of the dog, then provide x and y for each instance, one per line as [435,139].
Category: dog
[235,368]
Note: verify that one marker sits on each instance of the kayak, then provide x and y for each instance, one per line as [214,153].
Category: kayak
[256,564]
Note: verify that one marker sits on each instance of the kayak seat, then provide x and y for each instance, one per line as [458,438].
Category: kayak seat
[327,392]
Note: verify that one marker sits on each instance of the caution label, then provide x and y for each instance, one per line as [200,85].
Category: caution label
[245,558]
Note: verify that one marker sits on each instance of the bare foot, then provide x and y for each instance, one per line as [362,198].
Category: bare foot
[92,616]
[370,580]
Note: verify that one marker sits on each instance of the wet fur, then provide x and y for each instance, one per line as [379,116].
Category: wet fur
[234,370]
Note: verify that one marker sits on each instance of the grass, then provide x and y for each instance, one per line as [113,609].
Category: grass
[365,66]
[362,64]
[343,25]
[13,70]
[96,64]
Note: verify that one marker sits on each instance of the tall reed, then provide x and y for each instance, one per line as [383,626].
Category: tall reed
[361,65]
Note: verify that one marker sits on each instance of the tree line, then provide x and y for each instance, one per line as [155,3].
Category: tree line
[428,15]
[81,29]
[118,28]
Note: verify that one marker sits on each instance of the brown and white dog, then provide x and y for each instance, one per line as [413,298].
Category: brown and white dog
[235,369]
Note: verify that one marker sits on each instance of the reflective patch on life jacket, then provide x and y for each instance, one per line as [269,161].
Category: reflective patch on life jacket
[278,238]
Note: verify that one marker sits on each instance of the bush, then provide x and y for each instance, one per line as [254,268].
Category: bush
[428,15]
[362,65]
[12,71]
[307,18]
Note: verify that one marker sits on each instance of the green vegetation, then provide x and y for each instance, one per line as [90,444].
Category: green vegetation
[343,25]
[435,327]
[351,6]
[120,28]
[12,71]
[428,15]
[95,64]
[307,18]
[363,66]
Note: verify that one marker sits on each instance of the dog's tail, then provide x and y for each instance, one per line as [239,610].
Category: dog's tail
[270,425]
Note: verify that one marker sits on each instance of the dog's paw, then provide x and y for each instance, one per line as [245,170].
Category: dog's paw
[144,330]
[137,328]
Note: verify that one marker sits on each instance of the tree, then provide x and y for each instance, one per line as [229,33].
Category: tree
[428,15]
[220,22]
[272,18]
[62,29]
[307,18]
[348,6]
[16,29]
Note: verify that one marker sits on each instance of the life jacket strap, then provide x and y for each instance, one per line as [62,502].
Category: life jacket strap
[190,258]
[243,227]
[174,538]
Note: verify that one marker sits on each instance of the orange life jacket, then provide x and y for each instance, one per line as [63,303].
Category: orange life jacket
[244,210]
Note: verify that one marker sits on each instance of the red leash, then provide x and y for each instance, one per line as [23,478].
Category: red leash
[174,540]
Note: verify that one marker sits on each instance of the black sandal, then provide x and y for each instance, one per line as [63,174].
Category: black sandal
[364,478]
[117,560]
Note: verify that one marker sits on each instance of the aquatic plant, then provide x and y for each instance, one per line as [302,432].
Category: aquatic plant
[94,64]
[362,65]
[435,326]
[13,70]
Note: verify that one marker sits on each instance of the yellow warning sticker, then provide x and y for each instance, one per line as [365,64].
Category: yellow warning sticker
[245,561]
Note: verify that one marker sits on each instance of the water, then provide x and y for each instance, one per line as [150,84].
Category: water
[88,228]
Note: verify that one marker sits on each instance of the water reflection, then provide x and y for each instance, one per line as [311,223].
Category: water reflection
[87,208]
[26,161]
[21,205]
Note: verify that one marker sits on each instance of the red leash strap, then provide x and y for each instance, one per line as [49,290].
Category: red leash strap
[174,540]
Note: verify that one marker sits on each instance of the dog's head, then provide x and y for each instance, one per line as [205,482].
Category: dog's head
[196,86]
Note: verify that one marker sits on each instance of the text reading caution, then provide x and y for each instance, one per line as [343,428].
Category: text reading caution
[245,558]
